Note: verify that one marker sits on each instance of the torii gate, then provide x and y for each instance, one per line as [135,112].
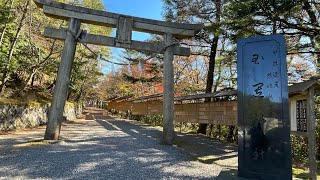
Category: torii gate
[125,25]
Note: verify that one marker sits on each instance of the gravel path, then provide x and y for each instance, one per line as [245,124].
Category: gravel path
[113,149]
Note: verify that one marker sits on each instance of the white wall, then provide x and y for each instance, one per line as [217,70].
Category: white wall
[293,114]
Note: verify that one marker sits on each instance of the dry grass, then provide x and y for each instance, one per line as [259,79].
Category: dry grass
[302,173]
[79,121]
[22,130]
[34,143]
[30,102]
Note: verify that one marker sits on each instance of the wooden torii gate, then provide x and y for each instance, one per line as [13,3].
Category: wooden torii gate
[125,25]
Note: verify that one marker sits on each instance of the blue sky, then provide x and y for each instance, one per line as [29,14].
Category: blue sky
[150,9]
[141,8]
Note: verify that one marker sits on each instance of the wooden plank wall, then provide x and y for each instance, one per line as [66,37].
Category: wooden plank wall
[124,106]
[155,107]
[112,105]
[140,108]
[223,113]
[186,113]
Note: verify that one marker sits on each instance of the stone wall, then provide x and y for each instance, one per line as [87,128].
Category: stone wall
[21,116]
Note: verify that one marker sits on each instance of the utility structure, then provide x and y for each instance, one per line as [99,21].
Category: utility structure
[124,25]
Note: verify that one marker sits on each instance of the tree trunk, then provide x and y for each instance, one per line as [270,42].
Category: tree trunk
[219,131]
[32,80]
[69,95]
[6,24]
[318,148]
[211,130]
[79,95]
[231,133]
[2,34]
[50,88]
[28,81]
[218,78]
[13,44]
[212,60]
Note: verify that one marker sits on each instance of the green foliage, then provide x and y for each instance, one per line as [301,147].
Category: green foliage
[296,20]
[93,4]
[299,149]
[190,128]
[142,79]
[155,120]
[5,12]
[300,173]
[20,102]
[224,133]
[303,173]
[35,60]
[213,42]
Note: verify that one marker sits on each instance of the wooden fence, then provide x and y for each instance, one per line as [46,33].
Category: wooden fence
[222,112]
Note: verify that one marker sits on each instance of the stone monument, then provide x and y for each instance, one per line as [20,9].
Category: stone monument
[264,132]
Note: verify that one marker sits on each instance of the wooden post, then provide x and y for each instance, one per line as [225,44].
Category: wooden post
[62,83]
[168,97]
[311,134]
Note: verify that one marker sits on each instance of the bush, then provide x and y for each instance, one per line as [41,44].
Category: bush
[299,149]
[223,132]
[155,120]
[186,127]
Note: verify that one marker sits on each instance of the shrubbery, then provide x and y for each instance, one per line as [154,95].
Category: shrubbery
[299,147]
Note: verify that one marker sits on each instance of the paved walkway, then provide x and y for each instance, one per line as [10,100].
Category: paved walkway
[109,148]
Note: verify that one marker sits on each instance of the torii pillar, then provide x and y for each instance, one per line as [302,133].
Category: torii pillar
[63,81]
[125,25]
[168,91]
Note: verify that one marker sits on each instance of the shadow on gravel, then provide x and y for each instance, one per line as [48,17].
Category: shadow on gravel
[230,174]
[214,159]
[198,148]
[133,130]
[106,125]
[119,150]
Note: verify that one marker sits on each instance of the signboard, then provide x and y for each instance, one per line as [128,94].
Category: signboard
[301,114]
[264,132]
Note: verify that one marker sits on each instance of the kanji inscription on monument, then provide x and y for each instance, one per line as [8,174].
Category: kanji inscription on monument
[264,132]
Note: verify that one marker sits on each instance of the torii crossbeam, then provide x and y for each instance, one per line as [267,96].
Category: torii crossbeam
[125,25]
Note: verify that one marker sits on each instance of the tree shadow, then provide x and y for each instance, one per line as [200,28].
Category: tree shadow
[112,150]
[230,174]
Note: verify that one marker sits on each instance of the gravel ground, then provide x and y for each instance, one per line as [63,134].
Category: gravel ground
[113,149]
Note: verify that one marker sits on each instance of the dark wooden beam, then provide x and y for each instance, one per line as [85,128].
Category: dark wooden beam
[91,16]
[155,47]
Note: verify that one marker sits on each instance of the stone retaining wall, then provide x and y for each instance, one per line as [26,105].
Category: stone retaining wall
[21,116]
